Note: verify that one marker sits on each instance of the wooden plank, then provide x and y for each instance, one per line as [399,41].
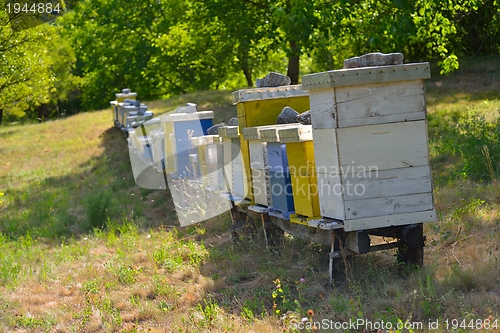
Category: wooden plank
[323,109]
[384,146]
[369,100]
[330,196]
[392,118]
[300,133]
[401,204]
[384,158]
[384,183]
[236,152]
[390,220]
[261,187]
[265,112]
[305,195]
[238,186]
[245,160]
[301,158]
[258,154]
[382,135]
[267,93]
[357,76]
[325,146]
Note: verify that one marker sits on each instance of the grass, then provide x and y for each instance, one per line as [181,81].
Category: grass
[83,249]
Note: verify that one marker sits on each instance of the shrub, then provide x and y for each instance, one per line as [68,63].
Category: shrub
[96,208]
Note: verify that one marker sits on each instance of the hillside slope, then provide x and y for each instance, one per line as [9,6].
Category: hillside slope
[83,249]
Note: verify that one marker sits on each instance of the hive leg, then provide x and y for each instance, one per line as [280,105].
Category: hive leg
[411,250]
[337,245]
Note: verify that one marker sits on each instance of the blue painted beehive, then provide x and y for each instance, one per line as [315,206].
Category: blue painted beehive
[281,185]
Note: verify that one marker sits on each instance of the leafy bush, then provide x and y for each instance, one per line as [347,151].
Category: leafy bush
[96,208]
[471,138]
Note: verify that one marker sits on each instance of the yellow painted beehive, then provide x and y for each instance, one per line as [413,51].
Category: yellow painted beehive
[260,107]
[300,153]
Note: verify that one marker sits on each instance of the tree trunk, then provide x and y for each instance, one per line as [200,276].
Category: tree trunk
[1,116]
[293,63]
[248,74]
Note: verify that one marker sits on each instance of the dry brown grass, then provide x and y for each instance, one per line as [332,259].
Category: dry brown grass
[141,274]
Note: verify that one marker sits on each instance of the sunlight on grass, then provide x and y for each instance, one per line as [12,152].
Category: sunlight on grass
[82,248]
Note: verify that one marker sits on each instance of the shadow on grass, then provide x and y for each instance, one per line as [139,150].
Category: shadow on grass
[73,204]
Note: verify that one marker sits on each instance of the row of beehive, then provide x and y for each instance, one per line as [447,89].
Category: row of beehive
[166,142]
[368,125]
[127,112]
[371,167]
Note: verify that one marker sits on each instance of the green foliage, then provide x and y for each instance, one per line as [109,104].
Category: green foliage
[471,138]
[35,68]
[96,207]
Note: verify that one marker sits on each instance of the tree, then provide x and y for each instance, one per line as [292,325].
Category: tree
[25,78]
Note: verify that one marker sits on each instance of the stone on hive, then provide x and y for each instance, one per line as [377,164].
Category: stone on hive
[287,116]
[214,130]
[233,122]
[374,59]
[273,80]
[305,118]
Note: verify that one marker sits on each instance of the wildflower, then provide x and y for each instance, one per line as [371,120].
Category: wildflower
[302,280]
[304,320]
[310,313]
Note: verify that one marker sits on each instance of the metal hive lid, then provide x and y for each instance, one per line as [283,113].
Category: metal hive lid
[366,75]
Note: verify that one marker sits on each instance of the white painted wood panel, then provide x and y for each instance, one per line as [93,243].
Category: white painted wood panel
[373,103]
[330,196]
[385,183]
[300,133]
[384,146]
[238,187]
[325,148]
[261,187]
[382,136]
[236,152]
[392,118]
[258,154]
[228,162]
[410,203]
[390,220]
[323,108]
[385,158]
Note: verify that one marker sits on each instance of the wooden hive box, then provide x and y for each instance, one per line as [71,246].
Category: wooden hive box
[199,150]
[234,163]
[209,157]
[179,128]
[300,155]
[259,166]
[260,107]
[158,139]
[370,126]
[280,181]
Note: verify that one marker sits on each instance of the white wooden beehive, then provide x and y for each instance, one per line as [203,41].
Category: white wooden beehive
[370,132]
[233,162]
[259,164]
